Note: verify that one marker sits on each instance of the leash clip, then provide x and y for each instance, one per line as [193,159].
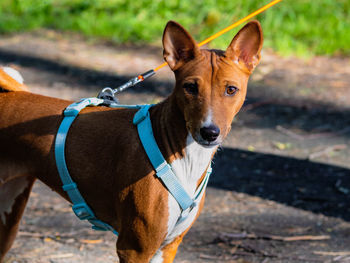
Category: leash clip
[108,97]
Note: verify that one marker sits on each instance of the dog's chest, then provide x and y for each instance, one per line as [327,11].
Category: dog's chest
[189,170]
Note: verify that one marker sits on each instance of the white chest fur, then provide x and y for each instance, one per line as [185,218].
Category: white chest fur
[189,170]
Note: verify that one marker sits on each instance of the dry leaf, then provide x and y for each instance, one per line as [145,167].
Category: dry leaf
[91,241]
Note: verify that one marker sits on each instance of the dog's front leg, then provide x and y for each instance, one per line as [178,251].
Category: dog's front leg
[135,247]
[167,254]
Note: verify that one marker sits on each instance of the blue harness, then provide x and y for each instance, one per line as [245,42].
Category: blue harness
[163,170]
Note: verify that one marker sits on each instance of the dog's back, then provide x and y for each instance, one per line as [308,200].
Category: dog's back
[18,107]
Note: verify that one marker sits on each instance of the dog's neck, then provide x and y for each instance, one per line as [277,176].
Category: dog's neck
[169,128]
[188,159]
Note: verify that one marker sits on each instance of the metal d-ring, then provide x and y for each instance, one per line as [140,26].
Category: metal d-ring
[107,94]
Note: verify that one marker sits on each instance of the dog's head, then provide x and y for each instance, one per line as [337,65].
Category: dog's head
[211,85]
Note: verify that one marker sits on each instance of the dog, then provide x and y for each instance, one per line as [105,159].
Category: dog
[104,154]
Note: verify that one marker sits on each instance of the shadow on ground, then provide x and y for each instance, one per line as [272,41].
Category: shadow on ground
[303,184]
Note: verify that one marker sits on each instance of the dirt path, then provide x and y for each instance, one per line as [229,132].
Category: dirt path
[284,170]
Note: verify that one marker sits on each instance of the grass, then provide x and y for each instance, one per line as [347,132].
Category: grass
[300,27]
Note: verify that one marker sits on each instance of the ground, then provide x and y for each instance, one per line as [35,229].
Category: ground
[280,190]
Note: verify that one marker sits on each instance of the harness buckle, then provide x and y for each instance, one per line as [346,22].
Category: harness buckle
[141,114]
[190,208]
[162,169]
[99,225]
[74,109]
[71,110]
[83,211]
[69,187]
[185,213]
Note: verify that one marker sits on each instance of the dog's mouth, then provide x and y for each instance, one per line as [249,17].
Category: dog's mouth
[207,144]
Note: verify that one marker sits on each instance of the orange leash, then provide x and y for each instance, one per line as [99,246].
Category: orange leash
[223,31]
[109,93]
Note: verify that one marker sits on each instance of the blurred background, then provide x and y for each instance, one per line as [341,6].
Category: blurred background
[299,27]
[280,191]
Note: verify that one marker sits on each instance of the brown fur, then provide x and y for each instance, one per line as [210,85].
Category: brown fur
[103,152]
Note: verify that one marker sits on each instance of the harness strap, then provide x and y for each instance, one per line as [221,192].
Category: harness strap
[80,208]
[162,168]
[198,196]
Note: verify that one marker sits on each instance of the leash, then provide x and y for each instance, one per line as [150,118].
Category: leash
[163,170]
[109,93]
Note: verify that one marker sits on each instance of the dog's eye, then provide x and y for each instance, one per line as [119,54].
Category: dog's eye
[231,90]
[191,88]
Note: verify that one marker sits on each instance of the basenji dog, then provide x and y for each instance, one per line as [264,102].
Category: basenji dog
[104,154]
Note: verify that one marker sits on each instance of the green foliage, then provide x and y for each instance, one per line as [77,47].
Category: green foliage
[301,27]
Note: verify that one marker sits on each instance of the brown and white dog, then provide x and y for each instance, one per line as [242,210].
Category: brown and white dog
[104,154]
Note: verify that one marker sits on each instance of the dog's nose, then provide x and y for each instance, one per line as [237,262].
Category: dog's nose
[210,133]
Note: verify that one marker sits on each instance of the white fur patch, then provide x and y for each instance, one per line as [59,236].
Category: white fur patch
[13,74]
[189,170]
[8,194]
[158,257]
[209,119]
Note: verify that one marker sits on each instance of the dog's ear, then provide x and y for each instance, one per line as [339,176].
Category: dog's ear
[245,47]
[179,46]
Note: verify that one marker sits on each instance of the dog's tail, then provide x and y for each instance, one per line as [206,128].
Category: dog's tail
[11,80]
